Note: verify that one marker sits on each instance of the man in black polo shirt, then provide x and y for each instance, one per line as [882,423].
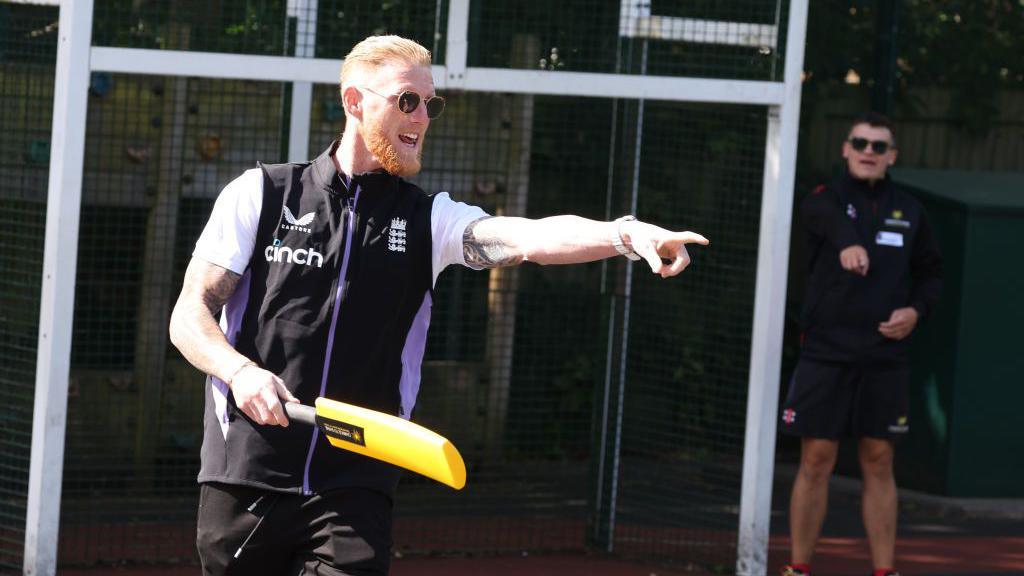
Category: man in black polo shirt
[324,272]
[874,271]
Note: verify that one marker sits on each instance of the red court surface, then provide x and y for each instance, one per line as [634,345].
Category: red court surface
[497,566]
[936,556]
[920,556]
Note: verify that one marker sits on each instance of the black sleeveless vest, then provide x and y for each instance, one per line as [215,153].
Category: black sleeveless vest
[336,301]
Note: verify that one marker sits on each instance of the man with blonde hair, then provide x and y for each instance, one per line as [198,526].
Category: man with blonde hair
[324,272]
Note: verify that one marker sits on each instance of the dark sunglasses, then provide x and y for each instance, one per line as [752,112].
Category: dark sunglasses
[860,144]
[409,101]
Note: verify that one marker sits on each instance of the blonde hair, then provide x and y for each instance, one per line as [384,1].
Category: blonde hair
[377,51]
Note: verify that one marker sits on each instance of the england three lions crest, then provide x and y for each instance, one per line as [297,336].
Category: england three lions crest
[396,235]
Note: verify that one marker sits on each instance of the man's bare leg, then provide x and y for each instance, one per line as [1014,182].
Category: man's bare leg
[809,501]
[878,500]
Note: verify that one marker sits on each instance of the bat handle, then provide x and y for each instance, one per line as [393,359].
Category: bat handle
[300,413]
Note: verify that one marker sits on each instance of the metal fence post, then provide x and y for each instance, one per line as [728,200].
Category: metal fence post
[53,357]
[770,307]
[305,14]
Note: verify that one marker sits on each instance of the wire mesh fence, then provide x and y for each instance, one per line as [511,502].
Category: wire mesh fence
[698,39]
[27,63]
[158,150]
[596,407]
[517,367]
[324,28]
[684,384]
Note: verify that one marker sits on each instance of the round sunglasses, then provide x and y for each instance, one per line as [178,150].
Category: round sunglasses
[408,101]
[861,144]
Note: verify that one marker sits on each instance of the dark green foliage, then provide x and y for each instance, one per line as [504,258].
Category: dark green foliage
[262,26]
[236,26]
[578,35]
[28,34]
[343,23]
[974,48]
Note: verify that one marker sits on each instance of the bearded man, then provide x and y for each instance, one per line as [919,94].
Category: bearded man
[323,273]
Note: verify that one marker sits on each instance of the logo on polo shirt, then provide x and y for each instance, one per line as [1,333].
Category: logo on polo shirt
[305,257]
[897,220]
[789,416]
[300,224]
[900,427]
[396,235]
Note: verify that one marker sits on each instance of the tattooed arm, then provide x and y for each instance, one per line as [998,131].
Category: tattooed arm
[484,247]
[194,329]
[195,332]
[491,242]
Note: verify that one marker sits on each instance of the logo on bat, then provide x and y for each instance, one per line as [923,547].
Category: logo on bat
[300,224]
[344,431]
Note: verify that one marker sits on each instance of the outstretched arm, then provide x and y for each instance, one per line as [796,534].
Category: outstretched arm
[194,331]
[504,241]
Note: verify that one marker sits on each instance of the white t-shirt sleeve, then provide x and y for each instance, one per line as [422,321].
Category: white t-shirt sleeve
[448,221]
[230,235]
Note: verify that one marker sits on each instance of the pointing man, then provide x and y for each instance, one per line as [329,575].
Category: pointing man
[323,273]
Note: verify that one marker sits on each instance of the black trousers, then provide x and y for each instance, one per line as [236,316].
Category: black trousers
[244,530]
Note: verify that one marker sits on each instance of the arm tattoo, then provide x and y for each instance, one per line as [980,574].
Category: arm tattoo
[220,285]
[207,285]
[194,329]
[483,251]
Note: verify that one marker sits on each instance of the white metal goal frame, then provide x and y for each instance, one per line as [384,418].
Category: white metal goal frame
[77,59]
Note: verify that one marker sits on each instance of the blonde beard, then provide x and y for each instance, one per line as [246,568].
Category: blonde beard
[378,145]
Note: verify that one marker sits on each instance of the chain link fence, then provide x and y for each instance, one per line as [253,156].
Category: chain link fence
[27,64]
[597,407]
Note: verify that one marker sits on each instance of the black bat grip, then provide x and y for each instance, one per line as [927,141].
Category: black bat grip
[300,413]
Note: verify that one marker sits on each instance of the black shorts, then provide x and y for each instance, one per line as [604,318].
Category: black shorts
[342,532]
[837,400]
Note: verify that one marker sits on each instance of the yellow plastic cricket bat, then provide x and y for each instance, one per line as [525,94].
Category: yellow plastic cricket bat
[384,437]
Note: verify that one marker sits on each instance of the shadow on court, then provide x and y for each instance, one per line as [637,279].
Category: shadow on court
[937,537]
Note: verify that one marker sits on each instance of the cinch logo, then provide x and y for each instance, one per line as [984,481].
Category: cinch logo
[301,256]
[789,416]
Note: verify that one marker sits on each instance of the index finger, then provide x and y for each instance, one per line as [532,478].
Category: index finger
[690,238]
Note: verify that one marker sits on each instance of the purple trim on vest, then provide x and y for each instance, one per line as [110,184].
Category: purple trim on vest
[412,356]
[349,229]
[230,324]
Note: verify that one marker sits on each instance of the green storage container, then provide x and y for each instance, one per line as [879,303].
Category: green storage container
[967,390]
